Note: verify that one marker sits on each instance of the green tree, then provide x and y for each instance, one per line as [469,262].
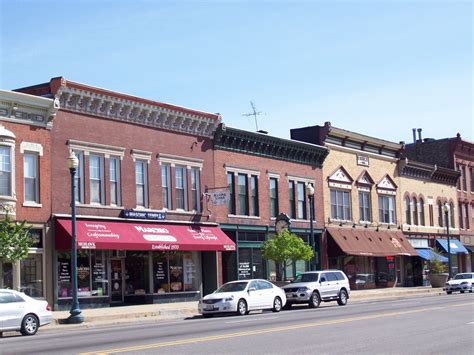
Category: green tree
[436,265]
[14,240]
[285,249]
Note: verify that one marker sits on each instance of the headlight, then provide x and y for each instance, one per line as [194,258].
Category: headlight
[464,283]
[303,289]
[228,299]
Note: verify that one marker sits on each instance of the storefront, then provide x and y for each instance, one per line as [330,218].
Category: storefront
[370,259]
[457,252]
[136,263]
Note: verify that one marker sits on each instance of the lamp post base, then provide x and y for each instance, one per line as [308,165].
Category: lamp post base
[75,318]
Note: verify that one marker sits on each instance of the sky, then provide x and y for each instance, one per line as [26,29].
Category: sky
[374,67]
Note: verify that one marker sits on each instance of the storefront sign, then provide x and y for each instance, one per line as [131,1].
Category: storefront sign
[244,270]
[64,271]
[219,198]
[134,214]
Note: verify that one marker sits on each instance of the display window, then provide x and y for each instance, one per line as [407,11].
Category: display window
[136,273]
[176,271]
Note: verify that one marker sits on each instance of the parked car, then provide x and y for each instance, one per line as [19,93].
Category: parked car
[19,312]
[241,297]
[312,287]
[461,282]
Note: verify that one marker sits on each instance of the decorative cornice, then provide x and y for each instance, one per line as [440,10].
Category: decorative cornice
[429,172]
[245,142]
[105,104]
[27,109]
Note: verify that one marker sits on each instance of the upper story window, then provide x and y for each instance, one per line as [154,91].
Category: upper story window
[464,177]
[451,212]
[180,188]
[114,180]
[440,214]
[79,177]
[243,190]
[166,185]
[365,206]
[96,178]
[472,179]
[422,212]
[415,211]
[254,195]
[30,171]
[5,171]
[340,204]
[231,189]
[387,209]
[301,200]
[273,182]
[243,194]
[141,183]
[407,210]
[195,189]
[466,216]
[461,219]
[292,196]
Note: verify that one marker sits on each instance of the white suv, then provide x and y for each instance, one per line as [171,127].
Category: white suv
[312,287]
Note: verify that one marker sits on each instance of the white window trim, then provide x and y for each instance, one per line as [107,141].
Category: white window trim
[306,180]
[102,180]
[95,148]
[198,189]
[236,170]
[81,168]
[185,188]
[141,155]
[35,203]
[273,176]
[175,160]
[31,147]
[145,183]
[118,182]
[9,142]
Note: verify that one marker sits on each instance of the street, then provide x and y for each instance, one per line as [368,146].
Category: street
[421,325]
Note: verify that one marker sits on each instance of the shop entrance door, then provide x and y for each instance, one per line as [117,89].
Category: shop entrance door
[117,289]
[251,264]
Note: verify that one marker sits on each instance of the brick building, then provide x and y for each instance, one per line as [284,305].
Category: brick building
[266,178]
[25,185]
[458,154]
[143,234]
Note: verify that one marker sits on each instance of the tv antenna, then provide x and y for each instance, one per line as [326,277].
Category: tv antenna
[255,113]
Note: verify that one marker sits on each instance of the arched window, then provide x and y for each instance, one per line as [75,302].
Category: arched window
[440,214]
[407,210]
[453,222]
[422,212]
[415,211]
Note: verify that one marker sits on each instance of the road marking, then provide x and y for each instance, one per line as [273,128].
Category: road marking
[470,323]
[269,330]
[251,319]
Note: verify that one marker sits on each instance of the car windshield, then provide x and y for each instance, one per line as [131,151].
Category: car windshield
[310,277]
[232,287]
[462,276]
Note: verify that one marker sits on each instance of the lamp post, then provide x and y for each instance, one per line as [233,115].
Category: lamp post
[315,259]
[446,210]
[76,316]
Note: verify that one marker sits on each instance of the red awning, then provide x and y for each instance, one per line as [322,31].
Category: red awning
[139,236]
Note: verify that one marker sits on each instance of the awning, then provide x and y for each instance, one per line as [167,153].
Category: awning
[455,245]
[139,236]
[371,243]
[470,248]
[429,254]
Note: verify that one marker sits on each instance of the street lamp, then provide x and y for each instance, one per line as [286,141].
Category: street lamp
[76,316]
[446,210]
[312,241]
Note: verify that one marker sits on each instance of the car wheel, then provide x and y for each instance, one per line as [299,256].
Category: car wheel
[29,325]
[342,300]
[314,300]
[276,304]
[208,315]
[241,307]
[449,292]
[470,291]
[462,291]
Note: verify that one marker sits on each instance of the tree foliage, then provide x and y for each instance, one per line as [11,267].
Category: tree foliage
[436,265]
[15,240]
[286,248]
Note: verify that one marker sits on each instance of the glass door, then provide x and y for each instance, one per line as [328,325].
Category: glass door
[251,264]
[116,267]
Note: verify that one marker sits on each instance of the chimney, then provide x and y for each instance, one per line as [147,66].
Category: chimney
[419,135]
[414,135]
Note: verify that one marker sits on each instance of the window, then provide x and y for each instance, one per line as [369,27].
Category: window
[407,210]
[165,186]
[180,188]
[175,271]
[137,279]
[430,208]
[254,194]
[114,183]
[460,177]
[466,216]
[195,190]
[440,214]
[422,212]
[273,197]
[32,275]
[243,194]
[291,191]
[451,211]
[141,183]
[364,206]
[340,205]
[231,189]
[464,178]
[96,174]
[5,171]
[387,209]
[415,211]
[79,177]
[472,179]
[461,220]
[301,200]
[30,162]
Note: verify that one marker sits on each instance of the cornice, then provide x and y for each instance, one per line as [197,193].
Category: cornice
[429,172]
[245,142]
[130,109]
[27,109]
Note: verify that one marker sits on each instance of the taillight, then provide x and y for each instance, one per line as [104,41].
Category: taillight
[48,307]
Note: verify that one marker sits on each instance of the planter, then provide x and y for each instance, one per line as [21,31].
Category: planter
[438,280]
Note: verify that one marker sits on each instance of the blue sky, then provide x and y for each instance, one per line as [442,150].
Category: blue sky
[375,67]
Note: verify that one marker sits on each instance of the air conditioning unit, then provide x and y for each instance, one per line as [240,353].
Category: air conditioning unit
[119,253]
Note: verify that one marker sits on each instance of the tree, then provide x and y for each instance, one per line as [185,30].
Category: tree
[15,240]
[285,249]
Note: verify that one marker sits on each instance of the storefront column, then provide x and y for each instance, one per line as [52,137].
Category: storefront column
[16,275]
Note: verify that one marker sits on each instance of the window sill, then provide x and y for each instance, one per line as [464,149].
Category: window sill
[32,204]
[243,216]
[112,207]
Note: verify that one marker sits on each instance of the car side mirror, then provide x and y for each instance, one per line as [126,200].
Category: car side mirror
[322,280]
[251,289]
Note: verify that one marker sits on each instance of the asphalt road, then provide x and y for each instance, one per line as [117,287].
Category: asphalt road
[423,325]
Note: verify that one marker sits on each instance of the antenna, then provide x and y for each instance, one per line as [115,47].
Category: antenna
[255,113]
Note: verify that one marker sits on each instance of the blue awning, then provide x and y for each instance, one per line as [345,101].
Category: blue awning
[429,254]
[455,245]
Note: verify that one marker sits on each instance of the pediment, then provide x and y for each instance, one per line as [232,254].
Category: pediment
[387,183]
[365,179]
[340,175]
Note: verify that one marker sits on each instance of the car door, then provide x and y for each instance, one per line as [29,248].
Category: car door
[12,309]
[324,287]
[253,298]
[333,289]
[267,293]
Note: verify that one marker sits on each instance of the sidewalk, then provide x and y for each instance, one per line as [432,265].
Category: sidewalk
[167,311]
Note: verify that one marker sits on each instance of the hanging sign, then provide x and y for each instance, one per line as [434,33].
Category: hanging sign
[219,198]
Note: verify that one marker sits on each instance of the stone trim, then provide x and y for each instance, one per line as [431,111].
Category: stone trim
[174,160]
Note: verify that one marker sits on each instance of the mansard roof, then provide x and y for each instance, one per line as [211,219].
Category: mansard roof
[113,105]
[253,143]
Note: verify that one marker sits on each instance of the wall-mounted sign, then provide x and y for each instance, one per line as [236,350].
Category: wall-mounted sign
[157,216]
[362,159]
[219,198]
